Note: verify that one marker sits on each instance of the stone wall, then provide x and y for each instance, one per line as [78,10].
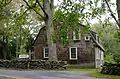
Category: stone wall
[33,64]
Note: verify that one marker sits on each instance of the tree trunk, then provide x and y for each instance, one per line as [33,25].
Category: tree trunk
[49,8]
[118,9]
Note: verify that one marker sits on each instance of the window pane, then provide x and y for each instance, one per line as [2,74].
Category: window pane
[76,35]
[73,52]
[46,52]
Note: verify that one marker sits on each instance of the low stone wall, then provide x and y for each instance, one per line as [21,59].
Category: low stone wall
[33,64]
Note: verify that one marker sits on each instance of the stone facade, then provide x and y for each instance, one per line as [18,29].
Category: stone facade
[86,50]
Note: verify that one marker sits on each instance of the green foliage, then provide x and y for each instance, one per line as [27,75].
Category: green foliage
[110,68]
[107,35]
[116,57]
[71,13]
[109,58]
[110,41]
[16,31]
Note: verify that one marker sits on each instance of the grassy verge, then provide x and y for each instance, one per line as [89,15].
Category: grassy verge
[97,74]
[80,69]
[94,73]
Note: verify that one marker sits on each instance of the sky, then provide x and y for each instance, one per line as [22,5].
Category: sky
[113,8]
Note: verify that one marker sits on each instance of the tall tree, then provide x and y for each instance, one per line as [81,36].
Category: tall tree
[74,11]
[47,7]
[118,9]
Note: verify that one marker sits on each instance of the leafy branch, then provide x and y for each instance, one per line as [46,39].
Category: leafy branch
[112,13]
[34,9]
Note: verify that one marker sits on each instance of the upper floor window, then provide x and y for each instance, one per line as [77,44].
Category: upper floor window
[96,37]
[87,37]
[46,52]
[73,53]
[76,35]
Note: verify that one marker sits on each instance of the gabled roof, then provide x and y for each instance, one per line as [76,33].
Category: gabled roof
[92,34]
[38,35]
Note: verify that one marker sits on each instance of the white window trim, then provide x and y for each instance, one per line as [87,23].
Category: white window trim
[88,38]
[74,37]
[70,53]
[96,37]
[44,52]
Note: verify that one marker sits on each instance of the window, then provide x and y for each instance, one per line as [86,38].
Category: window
[87,37]
[46,52]
[96,37]
[76,35]
[73,53]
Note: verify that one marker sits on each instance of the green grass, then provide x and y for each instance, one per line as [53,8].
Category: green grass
[94,73]
[80,69]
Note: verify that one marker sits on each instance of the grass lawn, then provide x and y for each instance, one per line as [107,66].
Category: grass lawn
[93,73]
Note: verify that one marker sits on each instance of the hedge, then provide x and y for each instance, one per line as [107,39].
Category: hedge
[33,64]
[111,68]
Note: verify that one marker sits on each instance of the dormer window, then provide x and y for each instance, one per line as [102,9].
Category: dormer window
[96,37]
[87,37]
[76,35]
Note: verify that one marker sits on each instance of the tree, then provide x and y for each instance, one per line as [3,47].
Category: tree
[47,7]
[108,37]
[118,10]
[73,12]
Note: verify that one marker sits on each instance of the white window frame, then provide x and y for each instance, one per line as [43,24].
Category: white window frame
[96,37]
[74,36]
[44,52]
[70,53]
[88,38]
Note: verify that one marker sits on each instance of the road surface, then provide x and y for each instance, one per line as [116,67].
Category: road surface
[40,74]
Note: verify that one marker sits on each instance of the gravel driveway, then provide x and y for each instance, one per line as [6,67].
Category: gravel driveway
[39,74]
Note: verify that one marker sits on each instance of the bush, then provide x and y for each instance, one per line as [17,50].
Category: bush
[116,57]
[32,64]
[111,68]
[109,58]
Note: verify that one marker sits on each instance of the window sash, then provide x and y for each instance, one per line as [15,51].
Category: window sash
[76,35]
[46,52]
[72,53]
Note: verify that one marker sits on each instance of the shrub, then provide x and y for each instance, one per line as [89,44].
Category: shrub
[116,57]
[111,68]
[32,64]
[109,58]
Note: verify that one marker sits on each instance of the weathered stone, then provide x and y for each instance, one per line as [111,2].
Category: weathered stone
[32,64]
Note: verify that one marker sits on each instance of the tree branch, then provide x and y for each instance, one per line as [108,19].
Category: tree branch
[34,9]
[42,8]
[9,2]
[52,4]
[5,3]
[112,13]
